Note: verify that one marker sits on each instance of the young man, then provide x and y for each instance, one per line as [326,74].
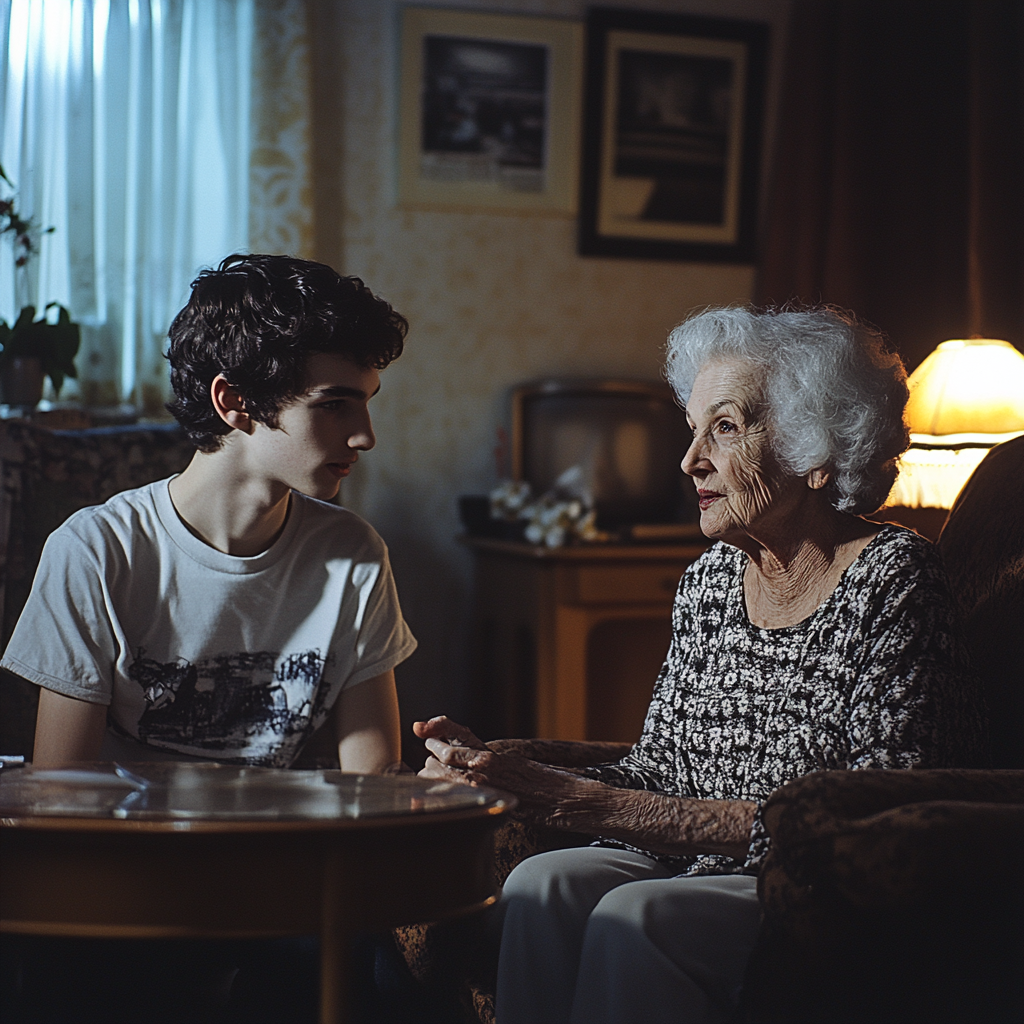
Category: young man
[230,612]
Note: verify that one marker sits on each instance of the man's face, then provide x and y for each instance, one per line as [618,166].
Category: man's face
[321,433]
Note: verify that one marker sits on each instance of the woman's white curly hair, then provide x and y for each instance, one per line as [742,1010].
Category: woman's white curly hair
[834,390]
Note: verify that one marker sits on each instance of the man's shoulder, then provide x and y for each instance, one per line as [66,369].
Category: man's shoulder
[338,529]
[121,516]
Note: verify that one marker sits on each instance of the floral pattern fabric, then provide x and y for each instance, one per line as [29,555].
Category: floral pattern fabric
[45,475]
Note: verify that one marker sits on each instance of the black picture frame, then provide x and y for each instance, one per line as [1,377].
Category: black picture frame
[670,161]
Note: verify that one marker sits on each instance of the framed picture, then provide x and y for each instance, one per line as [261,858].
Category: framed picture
[672,131]
[490,109]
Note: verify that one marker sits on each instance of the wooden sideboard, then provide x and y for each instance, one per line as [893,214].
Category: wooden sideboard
[568,641]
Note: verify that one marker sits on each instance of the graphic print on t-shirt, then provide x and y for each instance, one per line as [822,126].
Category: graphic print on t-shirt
[228,700]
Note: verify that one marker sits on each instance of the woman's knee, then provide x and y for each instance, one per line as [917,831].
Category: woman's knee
[579,876]
[537,876]
[679,906]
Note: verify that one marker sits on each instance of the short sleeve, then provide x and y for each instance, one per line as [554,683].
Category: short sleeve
[383,639]
[65,640]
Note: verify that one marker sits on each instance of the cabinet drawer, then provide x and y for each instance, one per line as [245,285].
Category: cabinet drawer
[623,584]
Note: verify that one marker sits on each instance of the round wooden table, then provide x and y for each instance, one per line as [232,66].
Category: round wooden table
[175,850]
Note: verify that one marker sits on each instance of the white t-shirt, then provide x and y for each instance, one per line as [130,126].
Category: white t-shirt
[201,653]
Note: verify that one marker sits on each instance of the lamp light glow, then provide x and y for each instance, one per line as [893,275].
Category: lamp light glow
[966,397]
[973,386]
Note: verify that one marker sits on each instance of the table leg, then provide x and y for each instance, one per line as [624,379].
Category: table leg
[335,946]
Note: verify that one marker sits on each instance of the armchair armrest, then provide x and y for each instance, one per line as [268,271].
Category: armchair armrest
[878,839]
[891,895]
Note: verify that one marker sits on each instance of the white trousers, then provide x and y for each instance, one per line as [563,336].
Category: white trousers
[599,936]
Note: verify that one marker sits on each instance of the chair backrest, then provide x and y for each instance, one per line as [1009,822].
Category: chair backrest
[45,475]
[982,544]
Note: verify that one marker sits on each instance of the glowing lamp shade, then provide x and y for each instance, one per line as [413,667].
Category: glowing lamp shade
[968,387]
[967,396]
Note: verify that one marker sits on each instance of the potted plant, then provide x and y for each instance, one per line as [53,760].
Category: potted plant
[32,349]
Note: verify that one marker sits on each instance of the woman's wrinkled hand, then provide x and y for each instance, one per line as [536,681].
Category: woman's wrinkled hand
[545,794]
[562,799]
[452,748]
[443,728]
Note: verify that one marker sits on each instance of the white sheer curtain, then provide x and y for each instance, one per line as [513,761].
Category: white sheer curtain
[126,127]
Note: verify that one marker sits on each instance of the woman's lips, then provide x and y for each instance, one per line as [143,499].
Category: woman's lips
[706,498]
[339,469]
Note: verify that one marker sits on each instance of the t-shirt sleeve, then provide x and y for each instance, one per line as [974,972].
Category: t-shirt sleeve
[917,702]
[64,640]
[383,638]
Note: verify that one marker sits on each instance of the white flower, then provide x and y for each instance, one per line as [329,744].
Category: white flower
[553,519]
[509,498]
[535,533]
[555,537]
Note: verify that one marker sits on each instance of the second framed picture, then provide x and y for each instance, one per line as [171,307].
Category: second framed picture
[672,136]
[489,114]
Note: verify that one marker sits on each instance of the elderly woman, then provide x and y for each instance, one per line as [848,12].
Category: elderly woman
[807,638]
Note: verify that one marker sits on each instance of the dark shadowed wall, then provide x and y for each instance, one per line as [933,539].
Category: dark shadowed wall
[898,185]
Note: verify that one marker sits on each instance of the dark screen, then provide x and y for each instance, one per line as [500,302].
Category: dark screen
[627,446]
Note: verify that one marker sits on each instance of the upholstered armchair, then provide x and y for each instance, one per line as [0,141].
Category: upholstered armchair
[887,895]
[45,475]
[899,896]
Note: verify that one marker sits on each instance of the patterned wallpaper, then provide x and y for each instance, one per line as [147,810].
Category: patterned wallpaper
[280,204]
[492,299]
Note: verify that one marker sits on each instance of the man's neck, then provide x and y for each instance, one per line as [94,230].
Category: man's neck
[228,508]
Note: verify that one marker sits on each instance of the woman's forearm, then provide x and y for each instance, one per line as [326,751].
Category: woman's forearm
[563,798]
[659,823]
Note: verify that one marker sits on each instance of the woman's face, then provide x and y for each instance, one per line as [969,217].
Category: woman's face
[738,480]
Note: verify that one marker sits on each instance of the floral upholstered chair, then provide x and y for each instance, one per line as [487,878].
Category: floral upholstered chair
[45,475]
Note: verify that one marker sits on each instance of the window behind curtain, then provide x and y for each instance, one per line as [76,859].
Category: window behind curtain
[126,127]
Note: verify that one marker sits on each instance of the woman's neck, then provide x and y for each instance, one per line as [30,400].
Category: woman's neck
[789,577]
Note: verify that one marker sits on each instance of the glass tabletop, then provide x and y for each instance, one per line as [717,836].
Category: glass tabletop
[195,792]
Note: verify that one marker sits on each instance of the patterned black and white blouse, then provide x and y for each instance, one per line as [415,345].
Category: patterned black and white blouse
[876,677]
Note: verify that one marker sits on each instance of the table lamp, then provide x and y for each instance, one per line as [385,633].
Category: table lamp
[966,397]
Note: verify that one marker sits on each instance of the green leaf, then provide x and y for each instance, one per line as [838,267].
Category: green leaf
[54,344]
[25,318]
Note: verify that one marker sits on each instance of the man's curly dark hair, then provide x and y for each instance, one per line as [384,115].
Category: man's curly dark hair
[255,319]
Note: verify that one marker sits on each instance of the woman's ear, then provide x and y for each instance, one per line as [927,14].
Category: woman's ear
[818,478]
[229,404]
